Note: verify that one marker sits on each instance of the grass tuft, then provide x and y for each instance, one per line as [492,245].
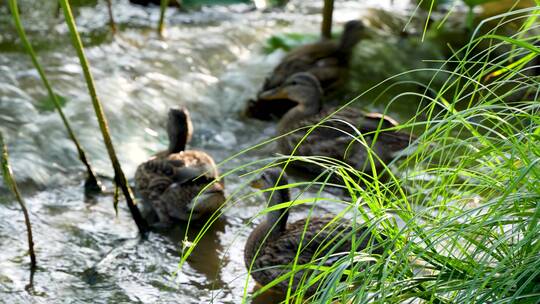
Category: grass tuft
[458,215]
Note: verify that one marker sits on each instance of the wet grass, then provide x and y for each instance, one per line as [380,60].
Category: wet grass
[458,216]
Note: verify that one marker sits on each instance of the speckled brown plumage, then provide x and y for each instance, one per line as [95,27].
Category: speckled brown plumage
[335,138]
[327,60]
[171,180]
[277,255]
[274,246]
[347,136]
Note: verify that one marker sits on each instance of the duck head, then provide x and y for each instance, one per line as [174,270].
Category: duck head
[270,178]
[179,129]
[300,88]
[354,31]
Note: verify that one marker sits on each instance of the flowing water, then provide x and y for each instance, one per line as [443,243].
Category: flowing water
[211,61]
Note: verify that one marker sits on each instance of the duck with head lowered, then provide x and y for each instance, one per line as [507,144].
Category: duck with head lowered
[328,60]
[275,245]
[348,136]
[171,181]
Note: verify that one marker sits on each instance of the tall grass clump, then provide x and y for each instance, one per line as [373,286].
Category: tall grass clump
[11,183]
[119,176]
[92,184]
[458,214]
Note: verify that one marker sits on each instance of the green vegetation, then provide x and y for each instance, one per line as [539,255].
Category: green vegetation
[459,214]
[288,41]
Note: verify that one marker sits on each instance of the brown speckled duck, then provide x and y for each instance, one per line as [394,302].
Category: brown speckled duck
[170,181]
[328,60]
[333,138]
[273,245]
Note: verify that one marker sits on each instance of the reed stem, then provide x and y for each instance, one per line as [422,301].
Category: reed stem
[92,184]
[326,28]
[112,24]
[163,7]
[12,185]
[119,176]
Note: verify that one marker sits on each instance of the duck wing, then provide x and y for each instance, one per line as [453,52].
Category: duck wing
[339,138]
[168,183]
[305,59]
[153,176]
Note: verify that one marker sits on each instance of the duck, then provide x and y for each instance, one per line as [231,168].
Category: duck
[328,60]
[171,181]
[274,245]
[335,137]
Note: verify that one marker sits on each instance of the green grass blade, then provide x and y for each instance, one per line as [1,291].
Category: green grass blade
[119,176]
[12,185]
[92,184]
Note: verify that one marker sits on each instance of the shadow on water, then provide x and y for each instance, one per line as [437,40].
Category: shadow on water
[266,297]
[206,258]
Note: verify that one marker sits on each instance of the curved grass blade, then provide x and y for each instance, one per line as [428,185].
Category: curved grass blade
[12,185]
[119,176]
[92,184]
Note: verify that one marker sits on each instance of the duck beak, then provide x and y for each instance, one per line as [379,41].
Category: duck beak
[273,94]
[257,184]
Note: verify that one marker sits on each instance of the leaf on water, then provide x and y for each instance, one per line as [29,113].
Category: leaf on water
[47,104]
[288,41]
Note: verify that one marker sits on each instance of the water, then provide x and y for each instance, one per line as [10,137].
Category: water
[211,62]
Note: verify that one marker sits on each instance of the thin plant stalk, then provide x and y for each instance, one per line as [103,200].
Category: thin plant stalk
[12,185]
[112,24]
[92,184]
[163,8]
[326,28]
[119,176]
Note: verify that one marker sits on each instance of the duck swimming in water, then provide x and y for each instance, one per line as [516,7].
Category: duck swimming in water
[327,60]
[170,181]
[337,138]
[274,245]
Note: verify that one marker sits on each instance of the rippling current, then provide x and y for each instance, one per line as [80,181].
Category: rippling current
[211,61]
